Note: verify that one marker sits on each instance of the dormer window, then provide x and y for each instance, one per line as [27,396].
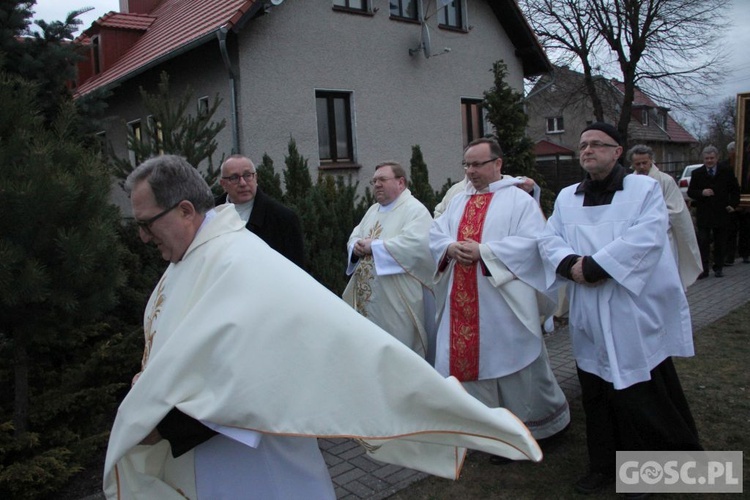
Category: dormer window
[95,55]
[644,117]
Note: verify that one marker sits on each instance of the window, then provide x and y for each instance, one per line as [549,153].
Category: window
[95,57]
[156,134]
[555,125]
[644,117]
[661,120]
[472,120]
[404,9]
[335,144]
[135,134]
[203,107]
[452,15]
[363,6]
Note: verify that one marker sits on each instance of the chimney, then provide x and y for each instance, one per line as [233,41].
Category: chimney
[138,6]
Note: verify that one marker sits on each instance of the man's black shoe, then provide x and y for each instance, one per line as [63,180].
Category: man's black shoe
[729,263]
[702,275]
[593,482]
[719,274]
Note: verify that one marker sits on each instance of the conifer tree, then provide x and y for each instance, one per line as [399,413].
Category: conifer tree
[296,175]
[59,253]
[505,111]
[174,130]
[419,184]
[268,180]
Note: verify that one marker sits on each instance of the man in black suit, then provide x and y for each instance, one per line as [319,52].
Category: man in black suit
[715,194]
[274,223]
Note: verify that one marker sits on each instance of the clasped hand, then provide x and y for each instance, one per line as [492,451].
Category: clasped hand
[464,252]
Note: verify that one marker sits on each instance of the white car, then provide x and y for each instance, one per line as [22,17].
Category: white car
[684,181]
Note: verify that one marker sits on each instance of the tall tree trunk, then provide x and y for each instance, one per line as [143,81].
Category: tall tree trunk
[21,367]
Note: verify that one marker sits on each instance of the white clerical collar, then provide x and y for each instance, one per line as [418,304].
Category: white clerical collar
[244,209]
[390,206]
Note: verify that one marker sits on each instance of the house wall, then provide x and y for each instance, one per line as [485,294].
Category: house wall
[283,57]
[398,100]
[201,70]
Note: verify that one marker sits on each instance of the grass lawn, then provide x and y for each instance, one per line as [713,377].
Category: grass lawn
[715,382]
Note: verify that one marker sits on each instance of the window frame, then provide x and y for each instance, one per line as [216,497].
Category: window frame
[203,106]
[366,8]
[462,23]
[400,16]
[333,160]
[558,124]
[136,128]
[468,120]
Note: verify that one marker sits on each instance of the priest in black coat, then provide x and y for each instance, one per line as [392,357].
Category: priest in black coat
[273,222]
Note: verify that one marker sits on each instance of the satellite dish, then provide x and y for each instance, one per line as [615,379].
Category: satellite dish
[426,47]
[277,2]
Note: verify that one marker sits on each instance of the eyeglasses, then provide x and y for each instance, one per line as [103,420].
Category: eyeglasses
[381,180]
[596,145]
[477,164]
[235,178]
[145,225]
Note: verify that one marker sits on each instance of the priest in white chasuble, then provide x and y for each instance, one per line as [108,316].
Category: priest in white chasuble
[248,360]
[389,261]
[489,298]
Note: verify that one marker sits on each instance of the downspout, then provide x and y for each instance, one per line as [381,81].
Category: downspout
[222,36]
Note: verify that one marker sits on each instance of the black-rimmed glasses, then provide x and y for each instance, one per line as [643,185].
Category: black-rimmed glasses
[145,225]
[477,164]
[235,178]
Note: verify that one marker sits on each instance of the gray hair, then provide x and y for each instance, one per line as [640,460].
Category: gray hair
[639,149]
[710,150]
[731,147]
[173,179]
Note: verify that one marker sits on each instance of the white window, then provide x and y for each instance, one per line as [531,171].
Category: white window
[555,125]
[335,134]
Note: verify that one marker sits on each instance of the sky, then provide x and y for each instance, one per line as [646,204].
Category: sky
[735,45]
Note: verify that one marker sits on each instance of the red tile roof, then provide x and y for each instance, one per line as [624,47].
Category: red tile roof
[547,148]
[675,131]
[171,26]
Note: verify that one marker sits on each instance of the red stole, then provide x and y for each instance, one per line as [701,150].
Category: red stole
[464,297]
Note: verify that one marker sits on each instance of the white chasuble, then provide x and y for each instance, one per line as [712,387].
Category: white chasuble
[243,338]
[388,287]
[622,328]
[510,336]
[682,238]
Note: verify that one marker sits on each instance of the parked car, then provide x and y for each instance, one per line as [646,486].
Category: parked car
[684,181]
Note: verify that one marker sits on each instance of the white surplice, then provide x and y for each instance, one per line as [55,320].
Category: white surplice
[682,238]
[623,328]
[238,336]
[389,287]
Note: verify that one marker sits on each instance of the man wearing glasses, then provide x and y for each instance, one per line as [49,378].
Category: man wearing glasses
[240,341]
[274,223]
[607,238]
[389,261]
[489,331]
